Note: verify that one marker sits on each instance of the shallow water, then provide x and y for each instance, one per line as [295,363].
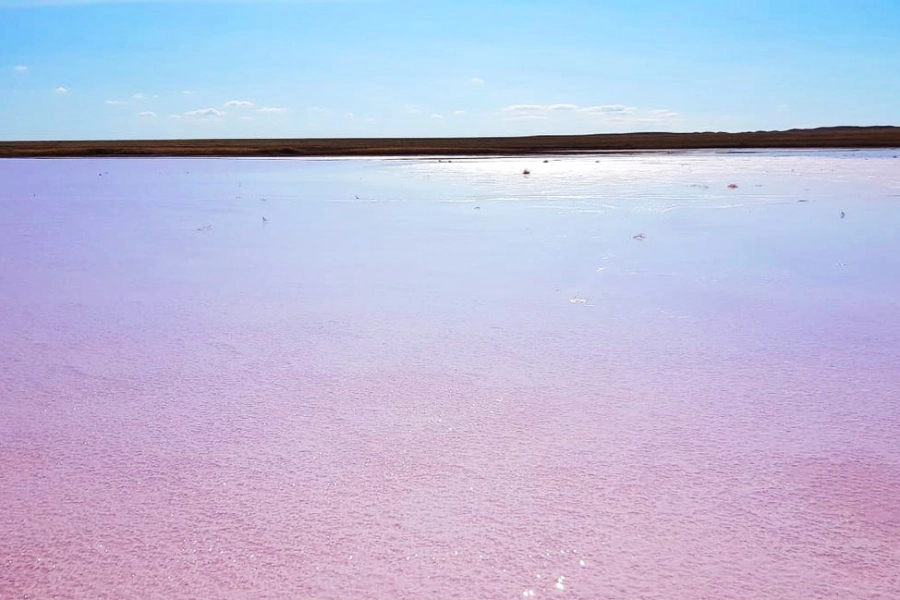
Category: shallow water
[613,378]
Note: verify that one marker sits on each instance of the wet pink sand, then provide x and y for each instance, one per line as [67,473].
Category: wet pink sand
[424,379]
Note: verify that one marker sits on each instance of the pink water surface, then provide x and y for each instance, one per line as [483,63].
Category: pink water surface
[420,379]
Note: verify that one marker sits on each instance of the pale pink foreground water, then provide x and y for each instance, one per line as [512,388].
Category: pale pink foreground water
[425,380]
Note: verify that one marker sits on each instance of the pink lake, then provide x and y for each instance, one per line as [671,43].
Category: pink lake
[615,378]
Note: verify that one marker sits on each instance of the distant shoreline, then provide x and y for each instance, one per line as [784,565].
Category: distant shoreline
[825,137]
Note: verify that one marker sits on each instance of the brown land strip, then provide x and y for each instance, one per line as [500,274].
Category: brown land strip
[826,137]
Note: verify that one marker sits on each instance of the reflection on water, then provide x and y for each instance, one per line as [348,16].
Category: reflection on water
[619,377]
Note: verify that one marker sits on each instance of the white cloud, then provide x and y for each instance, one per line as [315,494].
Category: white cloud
[415,111]
[437,116]
[61,90]
[187,93]
[458,113]
[139,96]
[116,102]
[205,113]
[147,114]
[20,69]
[272,109]
[245,118]
[318,109]
[562,107]
[476,81]
[239,104]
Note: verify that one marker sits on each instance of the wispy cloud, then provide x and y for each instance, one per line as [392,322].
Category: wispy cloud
[188,93]
[664,114]
[147,114]
[62,90]
[525,112]
[606,109]
[239,104]
[116,102]
[205,113]
[20,69]
[639,118]
[613,114]
[476,81]
[139,96]
[272,109]
[458,113]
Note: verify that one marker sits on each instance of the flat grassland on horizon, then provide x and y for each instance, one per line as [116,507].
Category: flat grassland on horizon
[826,137]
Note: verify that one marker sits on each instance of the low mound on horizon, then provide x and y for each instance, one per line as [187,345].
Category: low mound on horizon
[821,137]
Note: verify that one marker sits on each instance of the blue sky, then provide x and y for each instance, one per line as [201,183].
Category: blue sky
[132,69]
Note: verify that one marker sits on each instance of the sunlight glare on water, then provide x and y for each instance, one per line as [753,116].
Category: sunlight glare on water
[615,377]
